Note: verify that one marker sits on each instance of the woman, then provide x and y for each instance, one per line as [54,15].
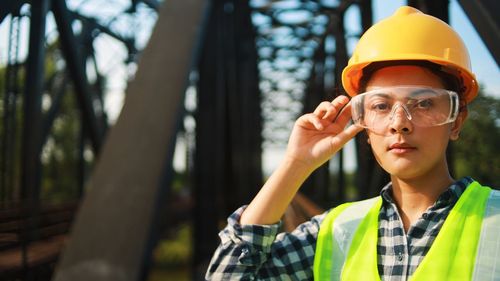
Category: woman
[410,82]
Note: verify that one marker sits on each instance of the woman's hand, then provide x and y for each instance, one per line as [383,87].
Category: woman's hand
[317,136]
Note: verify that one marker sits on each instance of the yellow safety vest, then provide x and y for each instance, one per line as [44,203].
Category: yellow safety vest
[466,248]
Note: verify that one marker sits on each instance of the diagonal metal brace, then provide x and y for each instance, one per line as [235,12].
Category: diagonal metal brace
[484,16]
[93,120]
[114,232]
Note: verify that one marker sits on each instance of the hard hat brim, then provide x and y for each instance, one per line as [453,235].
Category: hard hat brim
[352,74]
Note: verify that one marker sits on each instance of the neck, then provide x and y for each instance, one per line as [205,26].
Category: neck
[415,195]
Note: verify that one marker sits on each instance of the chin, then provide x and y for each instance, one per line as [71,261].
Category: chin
[410,171]
[403,169]
[406,175]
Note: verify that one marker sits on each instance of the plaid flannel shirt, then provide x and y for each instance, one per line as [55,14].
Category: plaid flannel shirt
[260,252]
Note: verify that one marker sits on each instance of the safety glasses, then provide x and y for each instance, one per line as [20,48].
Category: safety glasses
[423,106]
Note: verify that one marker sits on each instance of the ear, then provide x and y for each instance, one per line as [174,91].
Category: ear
[457,125]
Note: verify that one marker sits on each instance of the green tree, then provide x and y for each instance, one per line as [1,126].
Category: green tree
[61,150]
[477,153]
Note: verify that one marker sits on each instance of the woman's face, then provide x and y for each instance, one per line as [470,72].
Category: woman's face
[405,150]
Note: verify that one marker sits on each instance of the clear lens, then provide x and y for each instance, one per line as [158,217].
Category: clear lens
[424,107]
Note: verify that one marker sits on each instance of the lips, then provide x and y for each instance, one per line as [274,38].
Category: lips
[400,148]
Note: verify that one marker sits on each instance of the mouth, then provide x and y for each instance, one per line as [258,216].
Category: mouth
[401,148]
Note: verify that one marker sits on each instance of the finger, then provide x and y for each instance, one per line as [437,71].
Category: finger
[335,128]
[310,121]
[340,122]
[337,105]
[323,108]
[344,116]
[352,131]
[343,137]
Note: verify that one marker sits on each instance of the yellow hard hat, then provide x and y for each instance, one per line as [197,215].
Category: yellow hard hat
[410,35]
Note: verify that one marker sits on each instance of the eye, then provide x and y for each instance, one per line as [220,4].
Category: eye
[380,106]
[424,104]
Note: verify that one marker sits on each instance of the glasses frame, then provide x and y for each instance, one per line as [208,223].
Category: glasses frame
[358,99]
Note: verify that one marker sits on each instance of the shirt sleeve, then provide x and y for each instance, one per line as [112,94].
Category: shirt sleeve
[258,252]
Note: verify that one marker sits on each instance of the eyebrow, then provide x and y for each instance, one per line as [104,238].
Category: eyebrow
[380,95]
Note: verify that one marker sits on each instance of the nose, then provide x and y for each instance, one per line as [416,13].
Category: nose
[399,121]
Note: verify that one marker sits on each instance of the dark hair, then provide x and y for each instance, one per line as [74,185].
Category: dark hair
[450,81]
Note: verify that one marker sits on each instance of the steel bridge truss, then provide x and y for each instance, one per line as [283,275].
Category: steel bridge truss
[252,68]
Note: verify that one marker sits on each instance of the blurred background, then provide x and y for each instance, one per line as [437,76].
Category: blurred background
[131,129]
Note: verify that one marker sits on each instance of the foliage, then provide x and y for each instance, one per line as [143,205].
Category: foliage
[477,153]
[61,151]
[176,250]
[61,157]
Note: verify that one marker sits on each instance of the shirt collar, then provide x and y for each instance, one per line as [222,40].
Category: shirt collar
[448,197]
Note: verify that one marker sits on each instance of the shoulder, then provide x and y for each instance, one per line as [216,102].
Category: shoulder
[495,194]
[354,209]
[492,206]
[346,217]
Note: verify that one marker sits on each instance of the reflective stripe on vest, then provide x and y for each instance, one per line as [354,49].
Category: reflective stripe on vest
[348,241]
[488,254]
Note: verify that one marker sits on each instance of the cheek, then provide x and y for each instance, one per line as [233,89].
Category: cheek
[436,136]
[377,144]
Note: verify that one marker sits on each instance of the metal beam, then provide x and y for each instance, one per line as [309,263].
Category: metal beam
[11,95]
[435,8]
[51,114]
[153,4]
[113,236]
[341,58]
[365,8]
[32,127]
[227,166]
[94,121]
[94,24]
[10,7]
[484,16]
[369,176]
[31,165]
